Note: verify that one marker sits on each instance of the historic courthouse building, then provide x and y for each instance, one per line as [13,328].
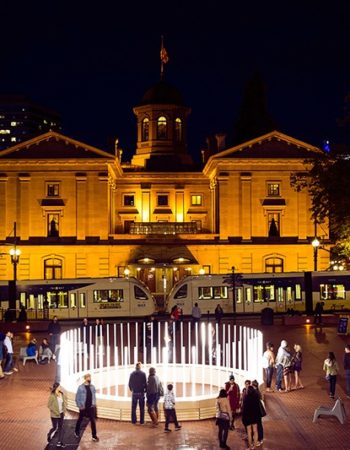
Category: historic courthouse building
[81,212]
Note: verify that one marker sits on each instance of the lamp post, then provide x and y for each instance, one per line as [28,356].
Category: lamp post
[315,243]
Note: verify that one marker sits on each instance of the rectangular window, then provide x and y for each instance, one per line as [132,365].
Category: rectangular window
[248,295]
[181,292]
[73,300]
[82,300]
[162,200]
[273,224]
[128,200]
[289,294]
[53,224]
[279,292]
[273,189]
[298,292]
[52,189]
[196,200]
[108,295]
[264,294]
[212,292]
[57,299]
[239,295]
[332,291]
[140,294]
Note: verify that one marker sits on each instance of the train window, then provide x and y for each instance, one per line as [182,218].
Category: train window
[279,294]
[205,292]
[270,293]
[181,292]
[40,301]
[258,294]
[220,292]
[297,292]
[58,299]
[248,295]
[140,294]
[332,291]
[289,294]
[264,294]
[238,295]
[31,302]
[108,295]
[82,300]
[73,300]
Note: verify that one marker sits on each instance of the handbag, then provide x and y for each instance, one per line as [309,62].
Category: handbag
[223,415]
[262,408]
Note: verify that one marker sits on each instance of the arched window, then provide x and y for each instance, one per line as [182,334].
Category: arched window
[178,129]
[162,128]
[273,265]
[52,269]
[145,129]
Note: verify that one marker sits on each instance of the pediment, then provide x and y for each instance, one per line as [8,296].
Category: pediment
[273,145]
[53,145]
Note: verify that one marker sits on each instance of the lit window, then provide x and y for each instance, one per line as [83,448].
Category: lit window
[129,200]
[162,200]
[178,130]
[273,189]
[145,129]
[196,200]
[52,269]
[161,128]
[273,265]
[13,124]
[53,225]
[13,139]
[273,224]
[5,131]
[53,190]
[332,291]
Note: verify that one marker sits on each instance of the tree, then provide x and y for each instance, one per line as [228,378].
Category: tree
[328,183]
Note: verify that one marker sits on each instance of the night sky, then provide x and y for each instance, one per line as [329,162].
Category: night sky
[92,64]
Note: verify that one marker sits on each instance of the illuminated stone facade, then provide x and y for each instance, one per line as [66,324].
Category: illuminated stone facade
[81,213]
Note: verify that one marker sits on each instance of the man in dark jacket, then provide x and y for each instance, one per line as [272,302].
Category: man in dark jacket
[138,386]
[54,331]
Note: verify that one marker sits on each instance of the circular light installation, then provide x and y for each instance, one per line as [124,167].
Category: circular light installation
[197,360]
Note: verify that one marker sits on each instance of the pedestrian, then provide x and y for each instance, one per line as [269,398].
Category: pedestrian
[234,398]
[347,368]
[54,331]
[196,314]
[268,365]
[45,352]
[85,334]
[85,400]
[255,385]
[153,392]
[138,386]
[169,409]
[219,312]
[9,362]
[330,366]
[281,361]
[318,313]
[223,417]
[2,337]
[22,316]
[57,405]
[287,368]
[297,360]
[251,413]
[32,348]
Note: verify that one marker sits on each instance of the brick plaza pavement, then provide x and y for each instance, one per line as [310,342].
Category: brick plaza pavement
[24,417]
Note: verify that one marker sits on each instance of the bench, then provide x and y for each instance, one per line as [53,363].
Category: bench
[338,411]
[23,355]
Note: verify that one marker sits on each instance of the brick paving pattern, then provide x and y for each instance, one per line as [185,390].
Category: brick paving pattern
[24,417]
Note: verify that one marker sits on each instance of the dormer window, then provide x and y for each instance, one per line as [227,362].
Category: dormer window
[178,130]
[145,129]
[161,128]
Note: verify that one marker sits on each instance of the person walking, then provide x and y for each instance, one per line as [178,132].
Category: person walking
[138,386]
[255,385]
[9,363]
[54,331]
[251,414]
[153,392]
[196,314]
[57,405]
[169,409]
[85,400]
[234,398]
[223,417]
[297,360]
[219,312]
[347,368]
[268,365]
[330,366]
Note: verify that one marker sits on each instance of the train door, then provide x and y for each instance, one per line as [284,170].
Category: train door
[281,299]
[239,300]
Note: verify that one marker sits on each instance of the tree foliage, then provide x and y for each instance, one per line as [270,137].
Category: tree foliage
[328,183]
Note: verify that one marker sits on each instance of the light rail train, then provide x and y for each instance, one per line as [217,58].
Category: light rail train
[299,291]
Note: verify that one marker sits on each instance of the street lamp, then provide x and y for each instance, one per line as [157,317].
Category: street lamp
[315,243]
[15,254]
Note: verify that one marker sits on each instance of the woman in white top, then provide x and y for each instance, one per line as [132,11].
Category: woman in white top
[57,407]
